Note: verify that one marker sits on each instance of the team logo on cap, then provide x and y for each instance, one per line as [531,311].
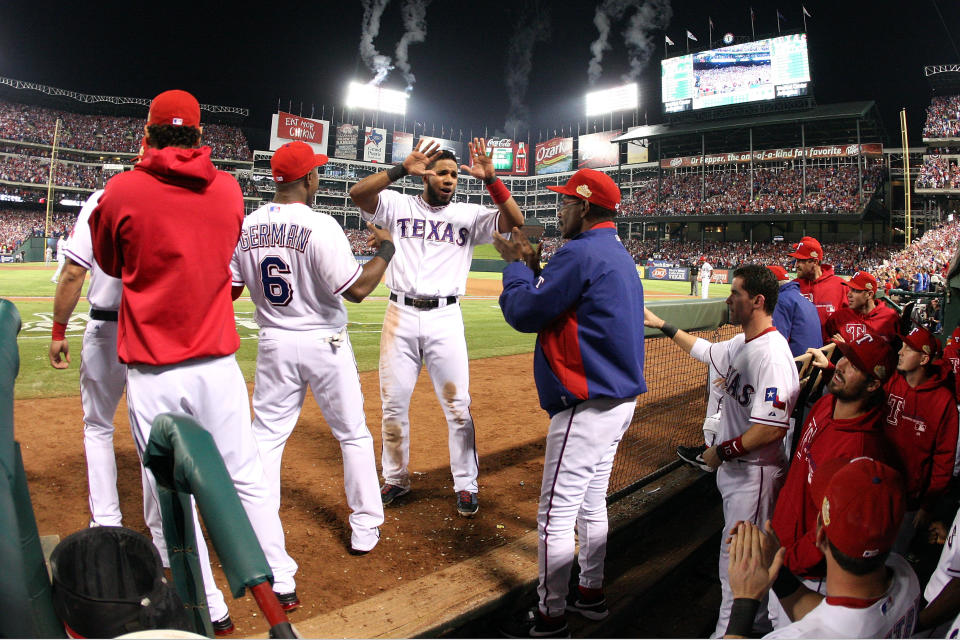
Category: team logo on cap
[880,371]
[813,254]
[178,121]
[825,511]
[584,190]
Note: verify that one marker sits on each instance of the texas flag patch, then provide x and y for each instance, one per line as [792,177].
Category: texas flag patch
[771,395]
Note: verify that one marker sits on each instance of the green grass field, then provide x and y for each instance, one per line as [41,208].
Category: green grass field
[32,292]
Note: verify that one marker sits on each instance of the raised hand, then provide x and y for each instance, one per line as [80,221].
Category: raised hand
[422,155]
[517,247]
[377,235]
[482,164]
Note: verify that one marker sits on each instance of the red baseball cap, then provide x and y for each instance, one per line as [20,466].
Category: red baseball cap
[294,160]
[919,339]
[862,281]
[872,355]
[807,248]
[174,107]
[778,271]
[595,187]
[861,505]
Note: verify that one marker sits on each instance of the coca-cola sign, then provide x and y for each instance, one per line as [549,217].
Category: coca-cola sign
[554,156]
[873,150]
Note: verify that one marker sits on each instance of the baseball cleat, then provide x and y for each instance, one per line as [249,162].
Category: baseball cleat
[532,624]
[288,601]
[467,504]
[694,456]
[590,608]
[223,626]
[390,492]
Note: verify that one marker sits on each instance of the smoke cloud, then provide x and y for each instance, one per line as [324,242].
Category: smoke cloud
[532,26]
[648,16]
[414,14]
[378,63]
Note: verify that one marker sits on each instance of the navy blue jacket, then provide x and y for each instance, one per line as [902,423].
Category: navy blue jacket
[796,318]
[587,309]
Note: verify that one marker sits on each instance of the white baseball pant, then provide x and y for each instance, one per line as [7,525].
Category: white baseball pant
[749,493]
[287,361]
[705,288]
[581,445]
[412,337]
[213,392]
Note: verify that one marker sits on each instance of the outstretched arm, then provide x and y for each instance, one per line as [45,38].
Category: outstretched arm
[366,193]
[482,169]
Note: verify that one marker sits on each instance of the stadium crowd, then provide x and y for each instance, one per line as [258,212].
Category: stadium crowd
[831,189]
[66,174]
[17,225]
[938,172]
[29,123]
[943,118]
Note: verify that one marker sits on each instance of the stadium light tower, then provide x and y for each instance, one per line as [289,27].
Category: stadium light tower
[621,98]
[369,96]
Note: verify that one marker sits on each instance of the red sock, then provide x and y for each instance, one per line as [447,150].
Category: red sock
[590,594]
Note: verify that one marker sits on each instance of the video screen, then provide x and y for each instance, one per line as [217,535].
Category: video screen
[760,70]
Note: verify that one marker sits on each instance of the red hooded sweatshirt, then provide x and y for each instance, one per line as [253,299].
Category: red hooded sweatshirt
[823,438]
[921,423]
[168,229]
[827,293]
[882,321]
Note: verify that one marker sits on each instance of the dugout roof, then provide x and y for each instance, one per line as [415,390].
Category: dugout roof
[823,124]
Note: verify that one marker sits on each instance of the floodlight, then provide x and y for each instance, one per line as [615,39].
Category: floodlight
[370,96]
[610,100]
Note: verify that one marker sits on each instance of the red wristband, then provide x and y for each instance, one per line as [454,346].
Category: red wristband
[59,330]
[498,191]
[731,449]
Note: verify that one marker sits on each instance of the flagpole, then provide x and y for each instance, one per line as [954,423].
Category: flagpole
[778,21]
[710,24]
[753,31]
[803,12]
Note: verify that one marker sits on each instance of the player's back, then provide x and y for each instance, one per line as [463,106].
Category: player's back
[295,262]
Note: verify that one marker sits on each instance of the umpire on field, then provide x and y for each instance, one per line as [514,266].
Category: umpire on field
[587,310]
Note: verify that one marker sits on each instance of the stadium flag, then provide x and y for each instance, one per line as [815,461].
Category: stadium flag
[753,31]
[666,41]
[690,37]
[710,23]
[806,14]
[779,18]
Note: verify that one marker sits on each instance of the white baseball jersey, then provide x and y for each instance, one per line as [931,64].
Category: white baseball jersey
[104,291]
[706,269]
[760,385]
[948,567]
[434,244]
[296,263]
[892,616]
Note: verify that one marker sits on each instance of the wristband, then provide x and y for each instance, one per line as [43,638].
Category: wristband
[498,191]
[386,251]
[396,172]
[731,449]
[786,583]
[742,613]
[489,181]
[59,330]
[669,330]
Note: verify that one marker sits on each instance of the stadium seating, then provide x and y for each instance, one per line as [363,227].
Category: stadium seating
[943,118]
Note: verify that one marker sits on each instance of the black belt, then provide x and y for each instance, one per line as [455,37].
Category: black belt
[423,303]
[103,314]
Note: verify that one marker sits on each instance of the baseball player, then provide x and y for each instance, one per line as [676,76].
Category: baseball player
[587,310]
[102,375]
[297,264]
[863,313]
[942,593]
[818,283]
[177,333]
[846,423]
[434,239]
[871,592]
[706,270]
[760,388]
[61,259]
[921,422]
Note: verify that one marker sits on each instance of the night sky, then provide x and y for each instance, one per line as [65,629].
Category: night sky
[306,52]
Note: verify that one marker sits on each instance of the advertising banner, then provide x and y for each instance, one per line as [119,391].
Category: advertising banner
[375,145]
[448,145]
[596,150]
[346,146]
[720,276]
[286,127]
[554,156]
[873,150]
[668,273]
[402,146]
[509,156]
[637,151]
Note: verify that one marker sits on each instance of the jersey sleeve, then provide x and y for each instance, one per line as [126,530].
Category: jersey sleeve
[79,247]
[714,354]
[236,274]
[387,203]
[103,236]
[333,258]
[485,224]
[776,393]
